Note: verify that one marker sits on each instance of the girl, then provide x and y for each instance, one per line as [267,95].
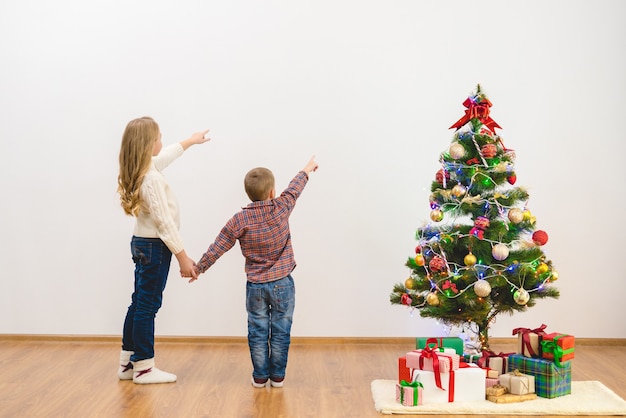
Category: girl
[145,194]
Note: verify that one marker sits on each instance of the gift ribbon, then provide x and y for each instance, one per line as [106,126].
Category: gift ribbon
[435,343]
[556,350]
[415,385]
[477,108]
[524,382]
[525,332]
[431,353]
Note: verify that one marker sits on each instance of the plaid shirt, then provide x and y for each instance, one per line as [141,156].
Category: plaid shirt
[262,229]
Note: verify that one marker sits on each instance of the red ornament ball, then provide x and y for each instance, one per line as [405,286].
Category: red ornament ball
[418,249]
[540,237]
[489,150]
[437,264]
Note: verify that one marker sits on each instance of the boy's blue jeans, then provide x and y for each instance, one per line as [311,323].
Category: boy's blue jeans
[270,314]
[152,264]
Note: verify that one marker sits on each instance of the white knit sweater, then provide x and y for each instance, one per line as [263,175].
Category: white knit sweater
[159,216]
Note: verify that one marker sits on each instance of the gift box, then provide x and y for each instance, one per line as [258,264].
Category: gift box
[471,358]
[404,373]
[464,384]
[529,341]
[447,342]
[517,383]
[491,382]
[557,347]
[551,381]
[510,398]
[433,360]
[409,393]
[493,361]
[492,374]
[495,390]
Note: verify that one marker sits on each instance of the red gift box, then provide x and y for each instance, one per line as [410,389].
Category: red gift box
[558,347]
[404,373]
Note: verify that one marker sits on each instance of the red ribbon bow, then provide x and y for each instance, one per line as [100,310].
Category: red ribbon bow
[526,337]
[449,285]
[477,108]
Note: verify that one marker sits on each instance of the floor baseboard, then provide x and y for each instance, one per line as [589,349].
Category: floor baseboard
[294,340]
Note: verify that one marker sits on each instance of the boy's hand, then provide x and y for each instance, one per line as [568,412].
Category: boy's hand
[310,166]
[193,279]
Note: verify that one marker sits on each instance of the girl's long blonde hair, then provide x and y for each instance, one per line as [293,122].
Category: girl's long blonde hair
[135,157]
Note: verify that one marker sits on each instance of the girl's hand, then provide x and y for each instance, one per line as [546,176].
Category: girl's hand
[187,266]
[196,138]
[200,137]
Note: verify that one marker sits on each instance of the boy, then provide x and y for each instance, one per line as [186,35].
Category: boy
[262,229]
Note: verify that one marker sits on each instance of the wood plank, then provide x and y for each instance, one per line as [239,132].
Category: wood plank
[72,378]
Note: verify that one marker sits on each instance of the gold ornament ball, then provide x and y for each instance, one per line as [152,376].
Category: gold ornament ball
[516,215]
[419,260]
[500,251]
[482,288]
[436,215]
[459,190]
[410,283]
[457,151]
[543,268]
[555,276]
[521,296]
[432,299]
[470,259]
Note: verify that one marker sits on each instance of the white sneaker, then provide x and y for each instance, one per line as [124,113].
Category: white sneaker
[258,385]
[278,384]
[145,373]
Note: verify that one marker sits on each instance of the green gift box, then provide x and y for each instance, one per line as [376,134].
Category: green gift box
[551,381]
[448,342]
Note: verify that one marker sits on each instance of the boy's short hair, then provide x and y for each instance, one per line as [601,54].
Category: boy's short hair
[259,182]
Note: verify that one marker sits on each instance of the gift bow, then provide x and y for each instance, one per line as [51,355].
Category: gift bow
[435,345]
[555,349]
[477,108]
[449,285]
[415,385]
[526,337]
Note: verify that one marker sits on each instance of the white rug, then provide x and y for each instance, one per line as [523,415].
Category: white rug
[587,398]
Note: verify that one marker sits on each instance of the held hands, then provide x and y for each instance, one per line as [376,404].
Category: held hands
[193,279]
[187,266]
[310,166]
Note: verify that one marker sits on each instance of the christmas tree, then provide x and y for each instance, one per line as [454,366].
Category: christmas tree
[481,254]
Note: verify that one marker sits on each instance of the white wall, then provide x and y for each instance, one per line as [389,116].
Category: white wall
[370,87]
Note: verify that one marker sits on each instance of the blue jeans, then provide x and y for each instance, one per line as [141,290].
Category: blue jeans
[270,314]
[152,265]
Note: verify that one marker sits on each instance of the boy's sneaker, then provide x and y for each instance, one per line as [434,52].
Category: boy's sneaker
[277,382]
[258,383]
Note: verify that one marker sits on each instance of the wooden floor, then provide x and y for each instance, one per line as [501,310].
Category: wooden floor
[324,379]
